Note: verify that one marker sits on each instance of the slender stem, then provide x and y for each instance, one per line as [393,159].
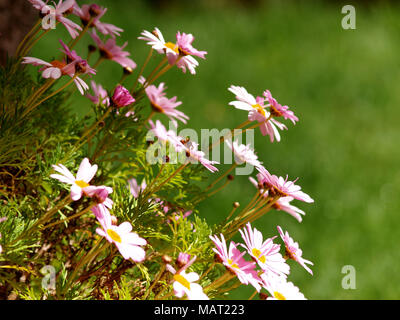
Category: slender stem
[142,69]
[49,96]
[40,91]
[208,270]
[32,33]
[222,139]
[69,218]
[169,178]
[221,177]
[85,29]
[26,51]
[162,62]
[156,279]
[99,60]
[253,295]
[158,75]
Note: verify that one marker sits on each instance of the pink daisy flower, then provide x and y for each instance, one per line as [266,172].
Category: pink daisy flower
[111,51]
[266,253]
[243,153]
[281,289]
[61,10]
[278,110]
[194,155]
[85,174]
[86,12]
[283,204]
[257,112]
[184,43]
[184,283]
[234,261]
[56,69]
[165,135]
[282,187]
[128,243]
[293,250]
[160,103]
[121,97]
[135,188]
[100,96]
[172,51]
[100,195]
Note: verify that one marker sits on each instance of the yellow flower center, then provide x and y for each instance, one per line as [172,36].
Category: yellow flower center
[257,254]
[82,184]
[114,236]
[181,279]
[259,109]
[172,46]
[279,296]
[233,265]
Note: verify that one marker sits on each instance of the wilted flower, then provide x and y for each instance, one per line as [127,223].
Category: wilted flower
[122,97]
[160,103]
[293,250]
[266,253]
[85,173]
[234,261]
[111,51]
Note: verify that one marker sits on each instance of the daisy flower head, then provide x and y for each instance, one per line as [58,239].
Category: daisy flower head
[121,97]
[293,250]
[179,53]
[277,110]
[166,136]
[128,243]
[233,260]
[111,51]
[161,104]
[243,153]
[283,203]
[100,195]
[265,253]
[94,13]
[71,66]
[100,96]
[194,155]
[282,186]
[257,112]
[184,283]
[60,11]
[280,288]
[85,174]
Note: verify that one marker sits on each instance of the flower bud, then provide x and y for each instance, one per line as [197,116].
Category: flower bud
[122,97]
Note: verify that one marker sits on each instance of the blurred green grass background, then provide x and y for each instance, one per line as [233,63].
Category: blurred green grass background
[342,84]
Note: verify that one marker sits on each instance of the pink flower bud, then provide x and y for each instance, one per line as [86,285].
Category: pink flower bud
[122,97]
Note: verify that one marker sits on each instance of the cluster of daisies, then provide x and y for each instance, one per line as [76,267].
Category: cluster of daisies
[264,111]
[273,271]
[129,244]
